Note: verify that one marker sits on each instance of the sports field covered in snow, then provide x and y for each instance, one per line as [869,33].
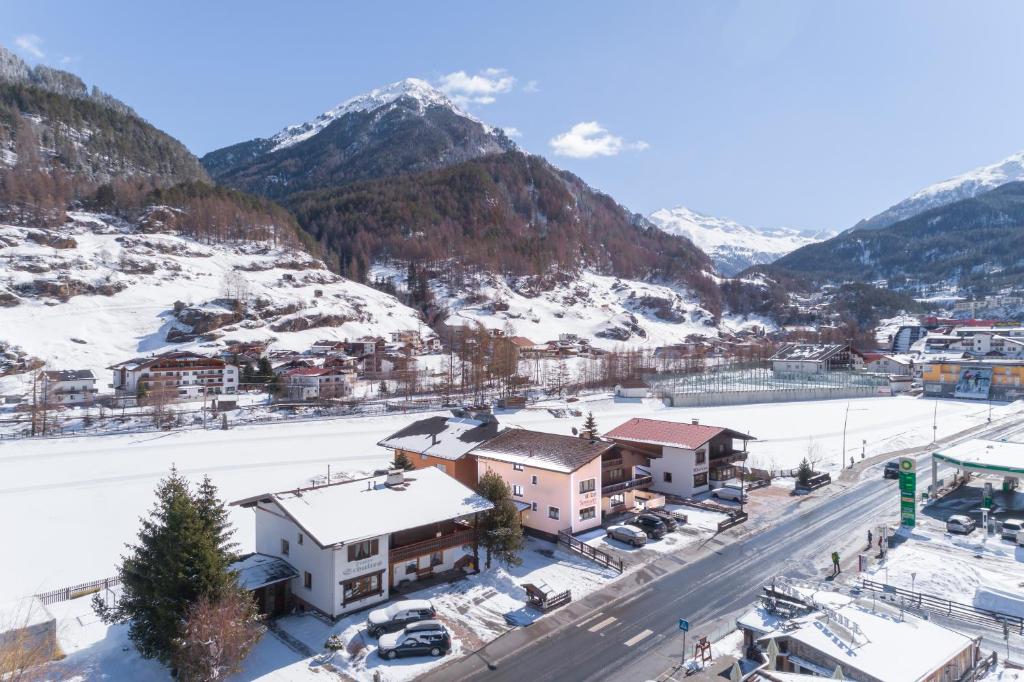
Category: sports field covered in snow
[79,499]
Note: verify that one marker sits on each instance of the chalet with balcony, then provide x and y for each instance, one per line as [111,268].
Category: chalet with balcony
[68,386]
[318,383]
[351,543]
[682,459]
[554,479]
[446,443]
[178,376]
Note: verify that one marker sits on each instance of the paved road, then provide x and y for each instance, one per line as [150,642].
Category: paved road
[629,631]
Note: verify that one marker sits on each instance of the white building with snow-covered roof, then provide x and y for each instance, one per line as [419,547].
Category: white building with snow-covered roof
[352,543]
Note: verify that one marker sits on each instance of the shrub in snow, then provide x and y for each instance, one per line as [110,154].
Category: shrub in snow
[334,643]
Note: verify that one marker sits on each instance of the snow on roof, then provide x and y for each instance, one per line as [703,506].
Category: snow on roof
[368,507]
[674,434]
[258,570]
[69,374]
[444,437]
[995,455]
[633,383]
[877,644]
[549,451]
[808,352]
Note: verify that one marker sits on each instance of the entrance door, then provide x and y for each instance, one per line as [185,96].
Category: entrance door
[280,598]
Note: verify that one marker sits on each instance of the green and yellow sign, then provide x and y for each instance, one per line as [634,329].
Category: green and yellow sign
[908,491]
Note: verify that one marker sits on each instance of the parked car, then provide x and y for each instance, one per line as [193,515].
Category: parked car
[396,616]
[670,520]
[650,524]
[1010,528]
[628,534]
[891,470]
[1020,538]
[729,492]
[958,523]
[427,637]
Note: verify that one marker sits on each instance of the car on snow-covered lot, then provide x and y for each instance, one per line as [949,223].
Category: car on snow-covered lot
[670,520]
[650,524]
[396,616]
[728,492]
[958,523]
[427,637]
[1010,528]
[628,534]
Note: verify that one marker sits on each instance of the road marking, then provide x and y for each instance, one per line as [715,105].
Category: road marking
[588,619]
[633,640]
[603,624]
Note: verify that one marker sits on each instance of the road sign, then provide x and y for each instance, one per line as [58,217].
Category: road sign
[908,491]
[684,625]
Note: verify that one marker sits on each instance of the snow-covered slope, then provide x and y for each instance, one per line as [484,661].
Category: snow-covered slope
[964,186]
[608,311]
[732,246]
[97,291]
[416,89]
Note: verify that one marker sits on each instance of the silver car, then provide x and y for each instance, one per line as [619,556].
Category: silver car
[958,523]
[1010,528]
[631,535]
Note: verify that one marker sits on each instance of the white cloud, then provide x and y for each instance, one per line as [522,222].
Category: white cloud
[589,139]
[512,132]
[531,86]
[480,88]
[30,44]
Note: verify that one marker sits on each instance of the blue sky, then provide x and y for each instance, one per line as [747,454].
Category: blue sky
[808,114]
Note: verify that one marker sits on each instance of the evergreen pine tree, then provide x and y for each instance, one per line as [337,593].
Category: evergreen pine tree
[182,554]
[804,472]
[264,370]
[590,425]
[402,461]
[500,530]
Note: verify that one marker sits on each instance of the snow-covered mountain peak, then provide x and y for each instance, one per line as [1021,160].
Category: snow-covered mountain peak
[420,91]
[731,245]
[965,186]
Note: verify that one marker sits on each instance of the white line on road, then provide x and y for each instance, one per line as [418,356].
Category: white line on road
[603,624]
[633,640]
[588,619]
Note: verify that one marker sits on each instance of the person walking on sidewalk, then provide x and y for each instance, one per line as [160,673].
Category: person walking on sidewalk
[835,563]
[869,538]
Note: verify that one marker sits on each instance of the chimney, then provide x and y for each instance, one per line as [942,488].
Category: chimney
[694,421]
[395,477]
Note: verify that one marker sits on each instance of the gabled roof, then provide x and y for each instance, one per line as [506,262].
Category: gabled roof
[674,434]
[809,352]
[444,437]
[633,383]
[549,451]
[521,341]
[69,374]
[341,513]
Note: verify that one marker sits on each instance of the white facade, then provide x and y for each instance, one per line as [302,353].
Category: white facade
[681,472]
[798,366]
[631,391]
[69,387]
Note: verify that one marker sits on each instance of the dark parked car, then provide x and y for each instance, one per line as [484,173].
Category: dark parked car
[396,616]
[427,637]
[668,518]
[650,524]
[891,470]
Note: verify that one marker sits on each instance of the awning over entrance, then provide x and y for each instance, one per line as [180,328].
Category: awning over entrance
[259,570]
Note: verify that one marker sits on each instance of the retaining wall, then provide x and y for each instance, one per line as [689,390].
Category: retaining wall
[789,395]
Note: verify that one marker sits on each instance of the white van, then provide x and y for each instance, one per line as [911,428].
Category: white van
[1011,529]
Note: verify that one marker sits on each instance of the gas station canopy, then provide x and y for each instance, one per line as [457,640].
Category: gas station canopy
[985,456]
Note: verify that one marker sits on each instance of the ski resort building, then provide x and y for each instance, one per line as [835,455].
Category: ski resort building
[69,386]
[811,358]
[684,459]
[351,543]
[177,376]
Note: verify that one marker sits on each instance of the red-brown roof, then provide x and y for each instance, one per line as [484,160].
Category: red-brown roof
[657,432]
[521,341]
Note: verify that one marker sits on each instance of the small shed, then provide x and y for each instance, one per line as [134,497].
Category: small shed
[632,388]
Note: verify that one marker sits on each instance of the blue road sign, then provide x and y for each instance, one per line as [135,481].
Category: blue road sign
[684,625]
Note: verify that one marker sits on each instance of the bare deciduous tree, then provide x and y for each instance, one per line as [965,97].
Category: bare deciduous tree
[218,635]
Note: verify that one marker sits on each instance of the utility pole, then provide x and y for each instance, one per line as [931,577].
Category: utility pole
[935,422]
[846,418]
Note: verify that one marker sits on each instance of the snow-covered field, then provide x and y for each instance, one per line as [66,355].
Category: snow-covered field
[93,331]
[83,496]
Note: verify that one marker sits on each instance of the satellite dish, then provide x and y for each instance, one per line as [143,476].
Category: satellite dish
[575,432]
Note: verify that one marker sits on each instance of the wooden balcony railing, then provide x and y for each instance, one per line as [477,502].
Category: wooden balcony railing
[638,482]
[611,462]
[417,549]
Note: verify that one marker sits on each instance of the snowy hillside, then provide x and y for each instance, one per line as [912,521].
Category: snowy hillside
[732,247]
[420,91]
[964,186]
[97,291]
[609,311]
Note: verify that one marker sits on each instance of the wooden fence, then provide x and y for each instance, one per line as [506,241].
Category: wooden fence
[583,549]
[76,591]
[1003,622]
